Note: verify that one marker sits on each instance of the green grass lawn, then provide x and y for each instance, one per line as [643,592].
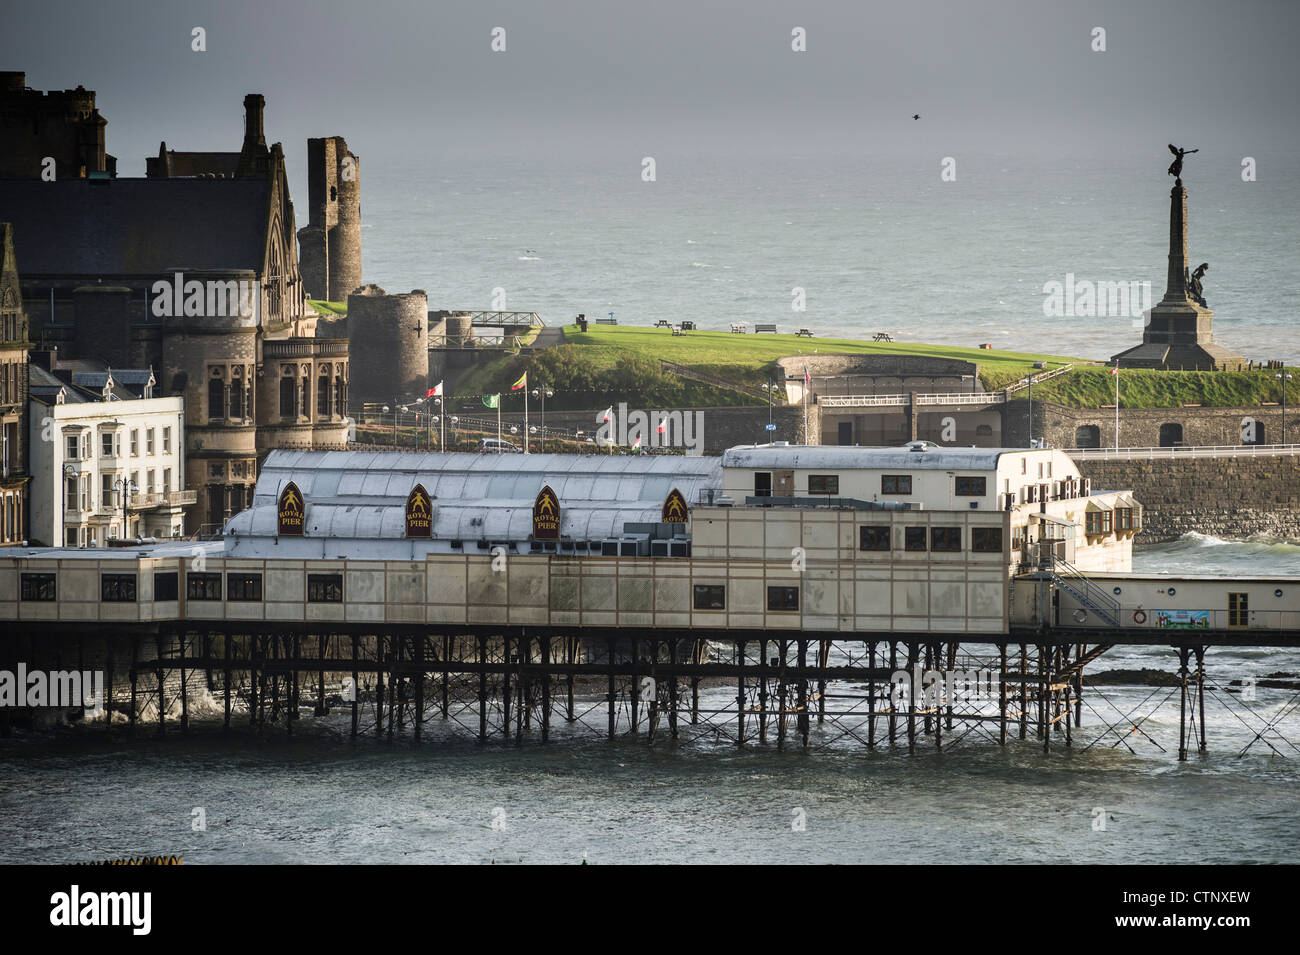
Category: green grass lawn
[328,308]
[1094,387]
[748,357]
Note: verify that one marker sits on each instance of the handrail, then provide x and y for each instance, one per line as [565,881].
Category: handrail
[1194,451]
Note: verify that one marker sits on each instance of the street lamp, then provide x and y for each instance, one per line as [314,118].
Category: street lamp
[1283,377]
[441,420]
[454,421]
[126,489]
[69,472]
[543,393]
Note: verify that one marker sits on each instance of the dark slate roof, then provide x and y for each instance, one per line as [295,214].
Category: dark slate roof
[45,386]
[107,227]
[199,164]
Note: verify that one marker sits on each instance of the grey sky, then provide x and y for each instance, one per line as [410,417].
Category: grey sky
[411,77]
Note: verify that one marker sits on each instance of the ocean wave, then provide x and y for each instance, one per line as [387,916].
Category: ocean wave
[530,258]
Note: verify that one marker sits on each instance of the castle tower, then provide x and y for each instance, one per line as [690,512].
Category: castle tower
[389,345]
[330,244]
[1180,332]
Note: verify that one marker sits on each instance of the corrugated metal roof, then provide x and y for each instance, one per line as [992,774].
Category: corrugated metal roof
[842,456]
[356,500]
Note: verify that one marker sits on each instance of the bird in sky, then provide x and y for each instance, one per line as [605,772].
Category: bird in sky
[916,115]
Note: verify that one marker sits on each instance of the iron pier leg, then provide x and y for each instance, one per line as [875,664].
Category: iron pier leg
[782,697]
[482,689]
[419,683]
[762,692]
[135,656]
[546,688]
[162,707]
[871,695]
[321,708]
[609,643]
[379,685]
[446,673]
[1200,691]
[740,693]
[1002,696]
[1182,703]
[185,709]
[893,709]
[571,658]
[356,686]
[823,658]
[225,708]
[108,681]
[913,655]
[672,687]
[802,691]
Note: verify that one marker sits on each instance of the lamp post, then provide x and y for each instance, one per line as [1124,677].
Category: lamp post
[543,393]
[1283,376]
[454,421]
[125,488]
[441,421]
[69,472]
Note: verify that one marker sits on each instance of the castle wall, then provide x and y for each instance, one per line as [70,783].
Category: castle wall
[1229,497]
[389,349]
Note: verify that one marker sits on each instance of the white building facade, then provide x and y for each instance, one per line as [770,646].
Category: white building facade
[107,470]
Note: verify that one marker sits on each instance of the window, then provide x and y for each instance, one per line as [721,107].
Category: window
[135,442]
[896,484]
[945,538]
[37,587]
[986,540]
[983,430]
[782,598]
[243,586]
[914,538]
[1098,522]
[710,597]
[203,586]
[873,537]
[1040,469]
[150,485]
[167,480]
[117,588]
[325,588]
[1024,466]
[148,441]
[1123,518]
[167,440]
[1049,468]
[216,398]
[1238,610]
[165,586]
[824,484]
[1087,436]
[106,444]
[106,488]
[323,396]
[236,400]
[971,487]
[71,447]
[287,395]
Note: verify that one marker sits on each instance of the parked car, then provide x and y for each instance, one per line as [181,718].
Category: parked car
[498,446]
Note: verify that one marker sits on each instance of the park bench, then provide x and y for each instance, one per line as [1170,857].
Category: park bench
[805,332]
[769,329]
[678,330]
[607,321]
[738,328]
[663,323]
[881,337]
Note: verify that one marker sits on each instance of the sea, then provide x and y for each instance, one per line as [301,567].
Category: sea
[877,245]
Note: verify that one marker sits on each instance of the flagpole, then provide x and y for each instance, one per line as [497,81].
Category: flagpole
[498,423]
[525,417]
[1117,405]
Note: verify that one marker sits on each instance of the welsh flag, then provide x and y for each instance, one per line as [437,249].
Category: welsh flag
[521,383]
[492,401]
[434,391]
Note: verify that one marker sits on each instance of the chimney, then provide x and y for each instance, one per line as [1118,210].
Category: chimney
[254,104]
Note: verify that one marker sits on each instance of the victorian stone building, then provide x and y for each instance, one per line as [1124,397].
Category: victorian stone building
[13,398]
[193,272]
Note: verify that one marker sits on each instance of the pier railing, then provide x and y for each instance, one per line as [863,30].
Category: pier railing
[1204,451]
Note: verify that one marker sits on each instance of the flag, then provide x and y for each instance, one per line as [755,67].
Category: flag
[1115,370]
[608,411]
[663,425]
[521,383]
[492,401]
[637,443]
[435,390]
[807,378]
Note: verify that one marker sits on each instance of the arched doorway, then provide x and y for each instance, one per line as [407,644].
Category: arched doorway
[1171,434]
[1087,436]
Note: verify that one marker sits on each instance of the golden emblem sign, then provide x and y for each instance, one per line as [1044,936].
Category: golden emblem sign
[419,513]
[290,511]
[546,515]
[675,508]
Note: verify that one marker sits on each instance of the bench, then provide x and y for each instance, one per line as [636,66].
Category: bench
[738,328]
[881,337]
[678,330]
[769,329]
[663,323]
[805,332]
[607,321]
[688,326]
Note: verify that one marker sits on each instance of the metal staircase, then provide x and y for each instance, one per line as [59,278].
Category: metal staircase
[1068,578]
